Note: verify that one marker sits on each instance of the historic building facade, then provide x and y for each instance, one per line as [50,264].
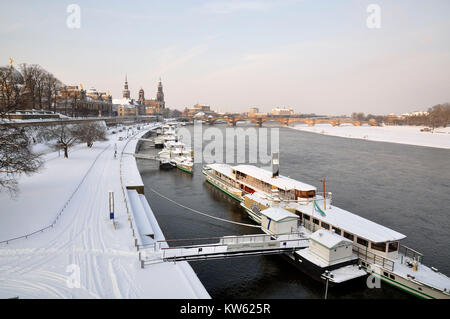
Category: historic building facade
[74,101]
[153,106]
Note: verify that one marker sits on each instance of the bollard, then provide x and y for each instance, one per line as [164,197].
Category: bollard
[140,256]
[142,264]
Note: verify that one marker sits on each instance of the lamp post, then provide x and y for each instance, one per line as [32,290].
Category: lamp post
[327,275]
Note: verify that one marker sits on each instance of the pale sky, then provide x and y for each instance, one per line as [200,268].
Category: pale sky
[311,55]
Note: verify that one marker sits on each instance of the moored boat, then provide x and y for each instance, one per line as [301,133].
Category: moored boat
[376,247]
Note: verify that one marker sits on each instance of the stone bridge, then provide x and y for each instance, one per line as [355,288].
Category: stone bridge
[285,121]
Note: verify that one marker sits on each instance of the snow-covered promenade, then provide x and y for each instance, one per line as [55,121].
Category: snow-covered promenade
[45,264]
[393,134]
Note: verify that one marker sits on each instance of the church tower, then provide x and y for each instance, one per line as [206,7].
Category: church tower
[160,95]
[141,96]
[126,92]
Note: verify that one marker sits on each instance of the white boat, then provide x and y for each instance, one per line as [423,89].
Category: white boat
[377,247]
[178,155]
[168,134]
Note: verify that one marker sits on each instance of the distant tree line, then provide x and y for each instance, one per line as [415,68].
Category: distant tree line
[439,115]
[436,116]
[170,113]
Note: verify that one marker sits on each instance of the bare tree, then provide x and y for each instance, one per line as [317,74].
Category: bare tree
[439,115]
[51,87]
[62,134]
[16,157]
[11,86]
[90,132]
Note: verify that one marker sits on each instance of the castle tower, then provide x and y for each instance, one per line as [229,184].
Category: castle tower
[126,92]
[160,95]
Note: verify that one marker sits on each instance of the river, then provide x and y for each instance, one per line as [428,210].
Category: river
[403,187]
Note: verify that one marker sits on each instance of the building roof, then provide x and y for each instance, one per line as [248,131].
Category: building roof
[127,103]
[282,182]
[328,238]
[278,213]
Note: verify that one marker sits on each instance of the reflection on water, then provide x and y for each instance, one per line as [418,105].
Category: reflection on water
[400,186]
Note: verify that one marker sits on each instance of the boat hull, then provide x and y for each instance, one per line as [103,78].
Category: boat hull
[165,165]
[237,195]
[184,168]
[406,285]
[312,270]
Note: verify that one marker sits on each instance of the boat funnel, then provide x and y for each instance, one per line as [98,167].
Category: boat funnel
[275,165]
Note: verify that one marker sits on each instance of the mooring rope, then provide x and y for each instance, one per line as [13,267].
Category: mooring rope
[201,213]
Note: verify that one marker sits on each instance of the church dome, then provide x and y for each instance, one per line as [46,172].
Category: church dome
[16,76]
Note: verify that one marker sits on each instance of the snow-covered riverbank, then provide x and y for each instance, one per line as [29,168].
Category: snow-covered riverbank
[82,244]
[411,135]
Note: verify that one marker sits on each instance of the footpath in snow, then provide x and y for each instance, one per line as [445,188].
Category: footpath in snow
[82,242]
[394,134]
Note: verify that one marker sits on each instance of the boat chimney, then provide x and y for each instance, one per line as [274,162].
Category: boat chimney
[275,165]
[275,198]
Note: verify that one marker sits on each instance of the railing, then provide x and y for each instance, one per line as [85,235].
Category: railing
[233,245]
[137,244]
[221,182]
[371,258]
[62,209]
[410,253]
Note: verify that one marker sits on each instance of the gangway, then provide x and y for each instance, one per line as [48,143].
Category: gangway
[226,247]
[144,156]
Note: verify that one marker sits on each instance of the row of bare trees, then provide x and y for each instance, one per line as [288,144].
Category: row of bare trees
[63,136]
[17,157]
[31,88]
[41,86]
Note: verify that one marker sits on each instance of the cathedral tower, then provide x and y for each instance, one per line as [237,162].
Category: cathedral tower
[160,95]
[141,96]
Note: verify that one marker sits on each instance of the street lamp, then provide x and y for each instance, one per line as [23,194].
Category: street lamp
[327,275]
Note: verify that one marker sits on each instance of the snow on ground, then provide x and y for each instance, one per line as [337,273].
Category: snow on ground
[83,236]
[393,134]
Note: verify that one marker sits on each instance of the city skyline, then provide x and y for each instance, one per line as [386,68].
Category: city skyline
[314,57]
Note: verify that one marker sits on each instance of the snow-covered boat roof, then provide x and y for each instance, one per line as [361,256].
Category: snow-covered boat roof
[259,198]
[277,213]
[328,238]
[224,169]
[172,143]
[280,181]
[350,223]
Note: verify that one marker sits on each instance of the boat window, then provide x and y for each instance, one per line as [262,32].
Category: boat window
[325,225]
[348,236]
[306,217]
[378,246]
[337,230]
[393,246]
[362,241]
[316,221]
[392,276]
[385,274]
